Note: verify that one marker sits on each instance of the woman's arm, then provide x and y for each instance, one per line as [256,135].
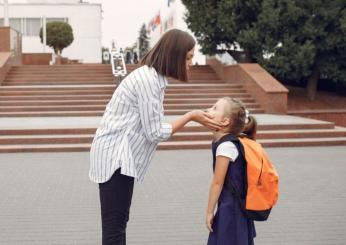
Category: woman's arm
[198,116]
[221,167]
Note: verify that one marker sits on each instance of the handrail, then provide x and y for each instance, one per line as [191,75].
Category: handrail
[16,46]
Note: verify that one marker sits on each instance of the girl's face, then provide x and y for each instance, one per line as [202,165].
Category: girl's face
[218,111]
[189,57]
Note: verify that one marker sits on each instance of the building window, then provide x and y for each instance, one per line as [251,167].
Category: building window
[16,23]
[32,26]
[57,19]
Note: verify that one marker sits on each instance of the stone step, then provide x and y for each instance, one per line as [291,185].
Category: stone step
[95,66]
[59,87]
[47,131]
[180,136]
[87,97]
[183,111]
[101,82]
[79,113]
[77,78]
[46,139]
[202,68]
[112,87]
[103,91]
[59,72]
[52,114]
[49,78]
[264,129]
[174,145]
[179,145]
[102,107]
[62,73]
[211,101]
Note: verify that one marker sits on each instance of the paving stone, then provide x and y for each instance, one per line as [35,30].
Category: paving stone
[48,199]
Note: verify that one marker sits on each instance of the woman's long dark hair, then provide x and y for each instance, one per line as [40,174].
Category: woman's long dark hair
[168,56]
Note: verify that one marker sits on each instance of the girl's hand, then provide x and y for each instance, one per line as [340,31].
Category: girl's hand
[209,221]
[205,119]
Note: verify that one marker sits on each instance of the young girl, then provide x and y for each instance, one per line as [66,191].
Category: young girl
[229,225]
[132,126]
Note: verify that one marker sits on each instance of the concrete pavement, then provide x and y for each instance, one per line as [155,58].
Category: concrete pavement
[48,199]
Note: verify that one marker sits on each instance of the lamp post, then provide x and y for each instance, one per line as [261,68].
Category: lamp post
[6,20]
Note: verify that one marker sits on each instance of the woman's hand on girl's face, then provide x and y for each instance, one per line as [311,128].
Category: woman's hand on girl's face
[209,221]
[205,119]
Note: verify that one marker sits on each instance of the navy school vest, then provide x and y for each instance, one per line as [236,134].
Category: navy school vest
[236,173]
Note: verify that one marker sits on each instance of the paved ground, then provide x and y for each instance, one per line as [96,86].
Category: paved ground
[48,199]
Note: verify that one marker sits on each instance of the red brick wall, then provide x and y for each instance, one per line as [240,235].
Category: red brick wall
[5,41]
[268,92]
[36,59]
[4,65]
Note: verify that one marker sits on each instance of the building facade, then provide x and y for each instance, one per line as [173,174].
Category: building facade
[171,15]
[85,19]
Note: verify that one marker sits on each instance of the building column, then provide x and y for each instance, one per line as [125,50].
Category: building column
[6,18]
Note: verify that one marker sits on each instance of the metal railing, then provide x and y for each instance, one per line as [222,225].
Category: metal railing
[118,66]
[16,47]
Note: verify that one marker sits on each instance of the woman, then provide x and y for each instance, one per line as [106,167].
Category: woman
[132,127]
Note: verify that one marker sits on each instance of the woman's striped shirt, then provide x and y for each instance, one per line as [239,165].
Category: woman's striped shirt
[131,127]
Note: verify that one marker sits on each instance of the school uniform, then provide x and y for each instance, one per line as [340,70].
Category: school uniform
[124,145]
[230,226]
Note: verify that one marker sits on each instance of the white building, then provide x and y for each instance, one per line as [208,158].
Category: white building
[84,18]
[172,14]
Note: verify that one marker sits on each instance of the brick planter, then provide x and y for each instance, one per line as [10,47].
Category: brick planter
[268,92]
[36,58]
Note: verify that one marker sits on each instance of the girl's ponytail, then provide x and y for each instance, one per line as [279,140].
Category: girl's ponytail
[250,128]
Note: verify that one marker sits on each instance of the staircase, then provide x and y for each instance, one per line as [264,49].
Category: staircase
[58,108]
[84,90]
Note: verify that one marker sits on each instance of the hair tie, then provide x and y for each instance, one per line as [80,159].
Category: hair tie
[247,114]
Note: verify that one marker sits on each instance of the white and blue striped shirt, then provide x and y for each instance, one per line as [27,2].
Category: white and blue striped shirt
[131,127]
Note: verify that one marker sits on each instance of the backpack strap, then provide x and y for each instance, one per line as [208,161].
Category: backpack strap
[228,182]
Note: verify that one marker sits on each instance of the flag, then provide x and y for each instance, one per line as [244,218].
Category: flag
[158,19]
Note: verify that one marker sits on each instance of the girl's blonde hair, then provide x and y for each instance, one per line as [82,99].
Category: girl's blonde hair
[240,122]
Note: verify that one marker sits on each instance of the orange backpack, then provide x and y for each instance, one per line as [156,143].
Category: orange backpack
[262,181]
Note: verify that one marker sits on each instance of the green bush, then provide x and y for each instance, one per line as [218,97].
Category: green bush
[59,35]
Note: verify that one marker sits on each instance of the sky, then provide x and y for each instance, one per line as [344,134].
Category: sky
[122,19]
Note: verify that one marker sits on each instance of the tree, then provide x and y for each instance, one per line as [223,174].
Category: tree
[217,24]
[293,39]
[308,40]
[59,36]
[143,41]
